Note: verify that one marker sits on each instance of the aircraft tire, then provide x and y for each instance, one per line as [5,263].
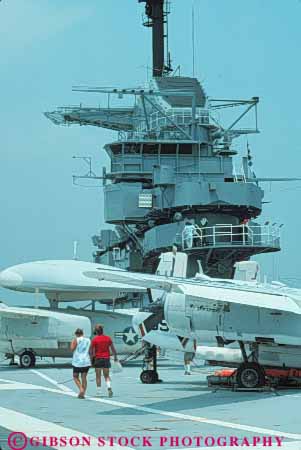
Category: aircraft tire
[27,359]
[149,377]
[250,375]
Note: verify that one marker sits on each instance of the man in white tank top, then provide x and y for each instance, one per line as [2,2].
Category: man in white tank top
[81,361]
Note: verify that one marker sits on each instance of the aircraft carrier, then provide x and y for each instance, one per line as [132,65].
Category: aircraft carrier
[174,181]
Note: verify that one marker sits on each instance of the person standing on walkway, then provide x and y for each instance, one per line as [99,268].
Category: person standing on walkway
[188,357]
[81,362]
[101,346]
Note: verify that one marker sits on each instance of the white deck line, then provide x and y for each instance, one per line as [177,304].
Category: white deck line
[15,421]
[51,380]
[17,386]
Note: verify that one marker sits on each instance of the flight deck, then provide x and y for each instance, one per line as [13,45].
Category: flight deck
[181,412]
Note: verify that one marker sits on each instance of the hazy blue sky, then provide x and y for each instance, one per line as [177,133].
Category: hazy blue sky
[243,49]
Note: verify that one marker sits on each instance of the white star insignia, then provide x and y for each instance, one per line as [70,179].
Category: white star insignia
[130,337]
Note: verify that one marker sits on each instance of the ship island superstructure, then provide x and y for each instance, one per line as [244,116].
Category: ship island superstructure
[174,178]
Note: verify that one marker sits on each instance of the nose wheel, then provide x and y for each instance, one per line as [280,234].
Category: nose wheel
[150,376]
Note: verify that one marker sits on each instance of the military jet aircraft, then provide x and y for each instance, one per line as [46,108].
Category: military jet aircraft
[29,332]
[249,313]
[63,281]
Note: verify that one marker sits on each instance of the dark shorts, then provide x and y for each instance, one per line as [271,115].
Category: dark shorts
[102,363]
[188,356]
[77,370]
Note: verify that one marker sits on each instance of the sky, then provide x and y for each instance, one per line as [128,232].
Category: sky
[242,49]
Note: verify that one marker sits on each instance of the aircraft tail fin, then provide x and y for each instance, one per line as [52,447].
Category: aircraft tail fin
[246,271]
[173,264]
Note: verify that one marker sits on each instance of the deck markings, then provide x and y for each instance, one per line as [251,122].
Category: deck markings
[29,425]
[8,381]
[11,385]
[51,380]
[220,423]
[16,386]
[215,422]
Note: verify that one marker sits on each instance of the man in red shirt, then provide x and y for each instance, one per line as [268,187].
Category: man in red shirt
[100,353]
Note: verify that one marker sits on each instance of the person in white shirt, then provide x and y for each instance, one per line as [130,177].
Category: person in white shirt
[188,233]
[81,361]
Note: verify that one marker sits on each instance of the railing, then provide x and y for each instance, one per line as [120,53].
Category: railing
[183,117]
[221,235]
[134,136]
[164,126]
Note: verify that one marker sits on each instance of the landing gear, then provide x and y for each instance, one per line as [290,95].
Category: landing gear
[150,376]
[27,359]
[250,375]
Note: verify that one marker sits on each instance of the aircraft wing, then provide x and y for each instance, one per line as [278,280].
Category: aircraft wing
[206,290]
[15,313]
[243,296]
[140,280]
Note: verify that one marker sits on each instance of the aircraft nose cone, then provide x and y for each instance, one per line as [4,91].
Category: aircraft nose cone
[10,279]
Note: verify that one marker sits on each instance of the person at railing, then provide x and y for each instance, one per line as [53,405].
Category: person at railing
[188,234]
[243,231]
[198,236]
[203,231]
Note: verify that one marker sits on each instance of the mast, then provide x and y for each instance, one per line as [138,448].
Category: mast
[156,18]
